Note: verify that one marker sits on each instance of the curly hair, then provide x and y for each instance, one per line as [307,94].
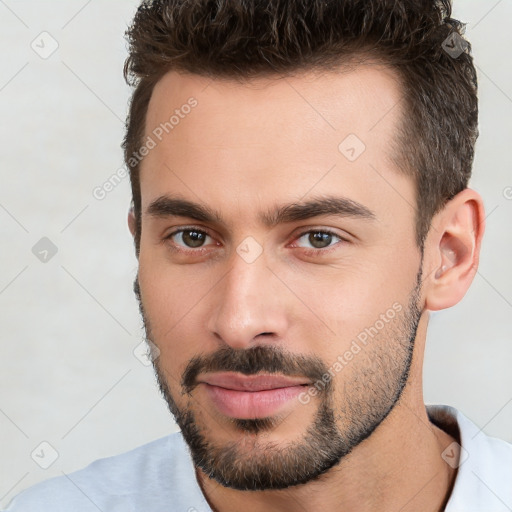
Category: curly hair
[244,39]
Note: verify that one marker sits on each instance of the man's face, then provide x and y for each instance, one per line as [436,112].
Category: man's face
[285,333]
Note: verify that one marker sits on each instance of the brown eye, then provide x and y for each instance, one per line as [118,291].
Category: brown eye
[319,239]
[189,238]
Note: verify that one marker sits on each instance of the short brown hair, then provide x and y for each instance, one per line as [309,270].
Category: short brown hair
[244,39]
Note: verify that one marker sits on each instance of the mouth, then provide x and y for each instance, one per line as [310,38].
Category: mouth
[251,396]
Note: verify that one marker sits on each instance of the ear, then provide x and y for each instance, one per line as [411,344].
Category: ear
[132,223]
[452,250]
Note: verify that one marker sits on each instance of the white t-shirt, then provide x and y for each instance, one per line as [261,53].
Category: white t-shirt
[159,477]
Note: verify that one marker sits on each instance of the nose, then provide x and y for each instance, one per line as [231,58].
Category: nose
[249,304]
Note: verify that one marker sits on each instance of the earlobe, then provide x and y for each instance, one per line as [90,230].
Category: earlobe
[454,249]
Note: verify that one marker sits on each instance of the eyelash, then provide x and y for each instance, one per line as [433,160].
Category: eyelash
[307,252]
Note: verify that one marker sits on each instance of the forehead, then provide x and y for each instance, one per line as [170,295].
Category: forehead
[274,139]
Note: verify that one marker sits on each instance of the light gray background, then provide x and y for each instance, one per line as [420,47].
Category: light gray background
[69,326]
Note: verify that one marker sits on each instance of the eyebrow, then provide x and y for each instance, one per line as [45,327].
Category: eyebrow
[167,206]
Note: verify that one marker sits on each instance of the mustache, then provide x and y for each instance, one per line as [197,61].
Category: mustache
[261,358]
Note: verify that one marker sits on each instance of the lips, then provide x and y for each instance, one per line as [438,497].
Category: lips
[239,382]
[251,396]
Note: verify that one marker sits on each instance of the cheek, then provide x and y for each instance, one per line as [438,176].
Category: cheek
[169,292]
[349,306]
[170,303]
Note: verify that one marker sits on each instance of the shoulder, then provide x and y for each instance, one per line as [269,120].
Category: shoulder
[141,479]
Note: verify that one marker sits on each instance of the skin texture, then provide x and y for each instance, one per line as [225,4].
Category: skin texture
[242,151]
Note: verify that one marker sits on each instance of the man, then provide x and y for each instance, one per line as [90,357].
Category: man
[299,174]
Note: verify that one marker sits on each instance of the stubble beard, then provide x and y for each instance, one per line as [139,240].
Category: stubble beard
[252,461]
